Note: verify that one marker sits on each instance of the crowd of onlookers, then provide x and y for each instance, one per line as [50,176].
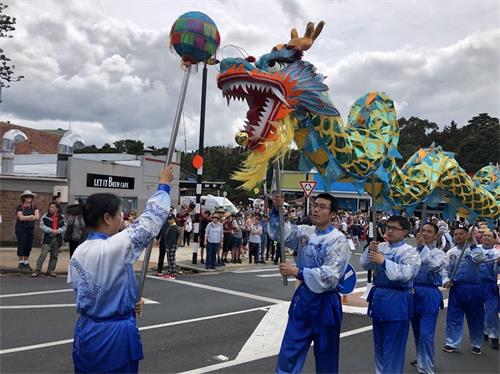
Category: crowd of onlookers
[223,237]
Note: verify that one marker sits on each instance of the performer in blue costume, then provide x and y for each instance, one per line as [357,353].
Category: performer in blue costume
[465,292]
[395,266]
[106,338]
[315,312]
[489,273]
[427,298]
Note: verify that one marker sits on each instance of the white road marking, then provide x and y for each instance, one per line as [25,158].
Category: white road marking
[266,338]
[290,279]
[40,306]
[219,289]
[35,346]
[36,293]
[67,341]
[255,270]
[257,348]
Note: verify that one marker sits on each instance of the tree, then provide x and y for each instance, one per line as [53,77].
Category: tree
[133,147]
[6,68]
[478,144]
[414,133]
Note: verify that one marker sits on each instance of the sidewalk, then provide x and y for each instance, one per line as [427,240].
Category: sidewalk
[9,262]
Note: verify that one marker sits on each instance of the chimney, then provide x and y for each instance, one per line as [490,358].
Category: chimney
[67,144]
[10,138]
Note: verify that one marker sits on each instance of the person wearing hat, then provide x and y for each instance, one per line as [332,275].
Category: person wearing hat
[463,278]
[26,213]
[214,237]
[53,227]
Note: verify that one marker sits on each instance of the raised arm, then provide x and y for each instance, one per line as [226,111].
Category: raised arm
[142,231]
[434,259]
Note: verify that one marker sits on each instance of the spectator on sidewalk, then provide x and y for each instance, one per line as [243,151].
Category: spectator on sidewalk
[169,235]
[188,228]
[263,238]
[204,221]
[181,223]
[237,238]
[27,213]
[53,226]
[214,236]
[228,230]
[75,230]
[254,240]
[131,217]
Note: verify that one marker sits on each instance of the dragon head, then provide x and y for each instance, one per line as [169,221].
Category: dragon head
[277,85]
[281,90]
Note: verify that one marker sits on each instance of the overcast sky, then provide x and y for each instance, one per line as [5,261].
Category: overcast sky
[105,66]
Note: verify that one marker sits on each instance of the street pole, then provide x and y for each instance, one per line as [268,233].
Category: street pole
[372,228]
[307,197]
[199,173]
[282,218]
[170,155]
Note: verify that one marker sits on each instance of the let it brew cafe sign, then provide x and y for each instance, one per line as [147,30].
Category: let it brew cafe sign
[110,181]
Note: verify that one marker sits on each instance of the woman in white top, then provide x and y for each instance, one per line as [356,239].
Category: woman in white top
[106,338]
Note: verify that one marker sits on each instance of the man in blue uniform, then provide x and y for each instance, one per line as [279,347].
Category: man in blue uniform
[427,298]
[315,312]
[489,273]
[463,278]
[395,266]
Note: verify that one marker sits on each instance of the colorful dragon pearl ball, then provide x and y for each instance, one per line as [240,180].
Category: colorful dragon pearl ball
[195,37]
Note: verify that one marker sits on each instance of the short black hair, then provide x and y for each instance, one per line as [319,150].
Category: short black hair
[434,226]
[97,205]
[402,221]
[334,205]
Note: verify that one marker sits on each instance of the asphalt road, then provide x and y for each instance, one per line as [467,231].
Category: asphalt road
[229,322]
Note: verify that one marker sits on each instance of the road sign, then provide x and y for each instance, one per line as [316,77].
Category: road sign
[348,281]
[308,187]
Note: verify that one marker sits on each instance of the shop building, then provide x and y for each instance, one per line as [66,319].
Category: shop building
[56,170]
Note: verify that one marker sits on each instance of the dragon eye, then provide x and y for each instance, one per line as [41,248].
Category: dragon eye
[273,66]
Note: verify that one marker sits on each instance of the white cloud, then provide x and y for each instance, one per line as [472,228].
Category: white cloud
[106,67]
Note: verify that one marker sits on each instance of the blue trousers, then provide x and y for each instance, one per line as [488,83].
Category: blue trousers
[390,338]
[424,326]
[295,346]
[491,309]
[211,259]
[464,299]
[311,317]
[131,367]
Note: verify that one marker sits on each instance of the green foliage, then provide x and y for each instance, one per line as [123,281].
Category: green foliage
[6,68]
[133,147]
[475,145]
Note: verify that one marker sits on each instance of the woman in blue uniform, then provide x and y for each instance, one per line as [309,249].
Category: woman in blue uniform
[106,339]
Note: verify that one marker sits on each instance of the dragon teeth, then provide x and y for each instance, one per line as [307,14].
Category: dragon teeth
[279,95]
